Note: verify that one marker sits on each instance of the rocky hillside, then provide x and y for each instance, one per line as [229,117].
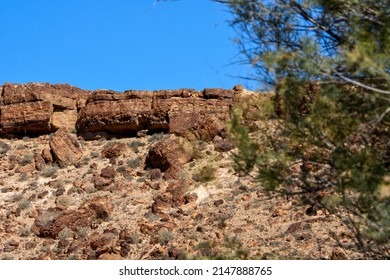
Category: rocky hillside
[141,175]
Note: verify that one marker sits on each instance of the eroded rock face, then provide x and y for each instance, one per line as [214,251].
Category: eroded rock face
[37,108]
[26,118]
[65,148]
[185,112]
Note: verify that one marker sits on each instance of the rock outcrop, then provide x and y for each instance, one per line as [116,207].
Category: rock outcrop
[37,108]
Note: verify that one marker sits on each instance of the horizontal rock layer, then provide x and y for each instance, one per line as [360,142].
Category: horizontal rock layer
[37,108]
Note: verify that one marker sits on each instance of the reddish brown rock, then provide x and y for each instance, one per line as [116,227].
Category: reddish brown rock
[39,161]
[72,219]
[114,112]
[203,119]
[64,119]
[173,172]
[115,151]
[108,172]
[173,196]
[37,108]
[65,148]
[28,108]
[100,183]
[168,152]
[26,118]
[105,245]
[185,112]
[217,93]
[52,222]
[26,168]
[46,155]
[100,205]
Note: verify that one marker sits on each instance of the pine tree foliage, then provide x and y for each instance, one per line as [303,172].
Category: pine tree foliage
[328,62]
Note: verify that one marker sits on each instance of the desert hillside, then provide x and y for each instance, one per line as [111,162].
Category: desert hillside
[142,175]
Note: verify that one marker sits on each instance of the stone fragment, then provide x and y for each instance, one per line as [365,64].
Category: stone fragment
[65,148]
[39,162]
[114,151]
[108,172]
[46,155]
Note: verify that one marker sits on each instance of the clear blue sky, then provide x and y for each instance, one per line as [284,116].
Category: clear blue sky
[118,44]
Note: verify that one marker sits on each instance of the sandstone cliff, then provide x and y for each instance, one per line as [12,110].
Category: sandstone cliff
[37,108]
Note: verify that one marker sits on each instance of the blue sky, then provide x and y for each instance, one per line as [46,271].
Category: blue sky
[119,44]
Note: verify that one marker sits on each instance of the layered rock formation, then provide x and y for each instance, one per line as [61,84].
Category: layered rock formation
[36,108]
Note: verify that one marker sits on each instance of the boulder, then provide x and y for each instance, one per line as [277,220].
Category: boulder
[39,161]
[65,148]
[169,152]
[114,151]
[108,172]
[173,196]
[52,222]
[46,155]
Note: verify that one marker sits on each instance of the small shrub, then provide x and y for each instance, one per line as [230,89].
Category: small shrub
[26,159]
[11,158]
[141,180]
[4,148]
[24,204]
[164,237]
[57,183]
[23,177]
[134,145]
[86,160]
[64,233]
[49,170]
[33,185]
[45,249]
[110,144]
[95,154]
[121,169]
[25,231]
[134,163]
[90,189]
[20,147]
[16,197]
[82,231]
[207,174]
[155,137]
[48,216]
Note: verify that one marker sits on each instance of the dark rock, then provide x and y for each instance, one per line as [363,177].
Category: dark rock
[224,145]
[169,151]
[108,172]
[115,151]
